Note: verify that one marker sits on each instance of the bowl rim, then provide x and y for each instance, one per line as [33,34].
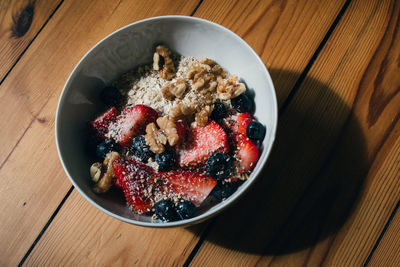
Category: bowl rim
[224,204]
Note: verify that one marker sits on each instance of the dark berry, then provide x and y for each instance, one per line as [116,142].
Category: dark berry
[185,210]
[223,191]
[165,210]
[219,111]
[140,149]
[255,131]
[110,96]
[92,144]
[105,147]
[219,165]
[242,103]
[166,160]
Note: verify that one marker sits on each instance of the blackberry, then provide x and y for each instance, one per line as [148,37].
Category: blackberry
[165,210]
[219,165]
[140,149]
[219,111]
[166,160]
[105,147]
[185,210]
[242,103]
[223,191]
[255,131]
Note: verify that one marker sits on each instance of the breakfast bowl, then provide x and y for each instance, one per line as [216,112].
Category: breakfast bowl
[133,46]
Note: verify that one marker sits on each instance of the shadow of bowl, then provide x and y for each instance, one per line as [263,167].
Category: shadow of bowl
[311,183]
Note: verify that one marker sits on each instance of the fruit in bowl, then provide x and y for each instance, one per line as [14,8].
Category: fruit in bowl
[173,137]
[184,128]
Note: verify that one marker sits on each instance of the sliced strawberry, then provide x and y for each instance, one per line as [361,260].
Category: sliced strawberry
[191,186]
[132,122]
[201,142]
[237,124]
[181,128]
[101,123]
[247,154]
[133,177]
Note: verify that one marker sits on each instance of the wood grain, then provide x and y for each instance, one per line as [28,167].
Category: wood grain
[20,21]
[61,241]
[33,182]
[316,204]
[387,253]
[99,239]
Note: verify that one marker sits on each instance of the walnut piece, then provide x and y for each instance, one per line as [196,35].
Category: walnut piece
[95,171]
[230,88]
[105,181]
[202,115]
[180,111]
[174,89]
[205,76]
[168,127]
[155,138]
[166,66]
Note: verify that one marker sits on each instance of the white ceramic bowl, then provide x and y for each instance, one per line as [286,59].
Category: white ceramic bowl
[129,47]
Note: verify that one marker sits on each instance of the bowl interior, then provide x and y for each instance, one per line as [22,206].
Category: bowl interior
[130,47]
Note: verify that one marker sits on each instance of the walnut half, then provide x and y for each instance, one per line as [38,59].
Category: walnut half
[105,180]
[230,88]
[167,67]
[202,116]
[155,138]
[174,89]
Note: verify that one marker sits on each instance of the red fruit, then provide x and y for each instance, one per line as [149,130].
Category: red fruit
[191,186]
[202,141]
[100,125]
[181,128]
[132,122]
[133,177]
[237,124]
[247,154]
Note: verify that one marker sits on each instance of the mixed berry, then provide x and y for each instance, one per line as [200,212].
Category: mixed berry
[168,166]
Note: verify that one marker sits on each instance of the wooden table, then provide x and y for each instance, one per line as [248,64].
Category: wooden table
[329,194]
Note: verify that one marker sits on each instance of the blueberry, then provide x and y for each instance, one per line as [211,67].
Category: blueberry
[185,210]
[110,96]
[166,160]
[223,191]
[256,131]
[219,111]
[140,149]
[219,165]
[165,210]
[242,103]
[105,147]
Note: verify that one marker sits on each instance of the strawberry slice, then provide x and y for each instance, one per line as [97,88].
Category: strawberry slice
[237,124]
[181,128]
[101,123]
[202,141]
[133,177]
[247,154]
[191,186]
[132,122]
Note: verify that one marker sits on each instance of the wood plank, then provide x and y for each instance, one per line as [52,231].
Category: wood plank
[61,241]
[98,239]
[315,203]
[33,182]
[388,251]
[20,21]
